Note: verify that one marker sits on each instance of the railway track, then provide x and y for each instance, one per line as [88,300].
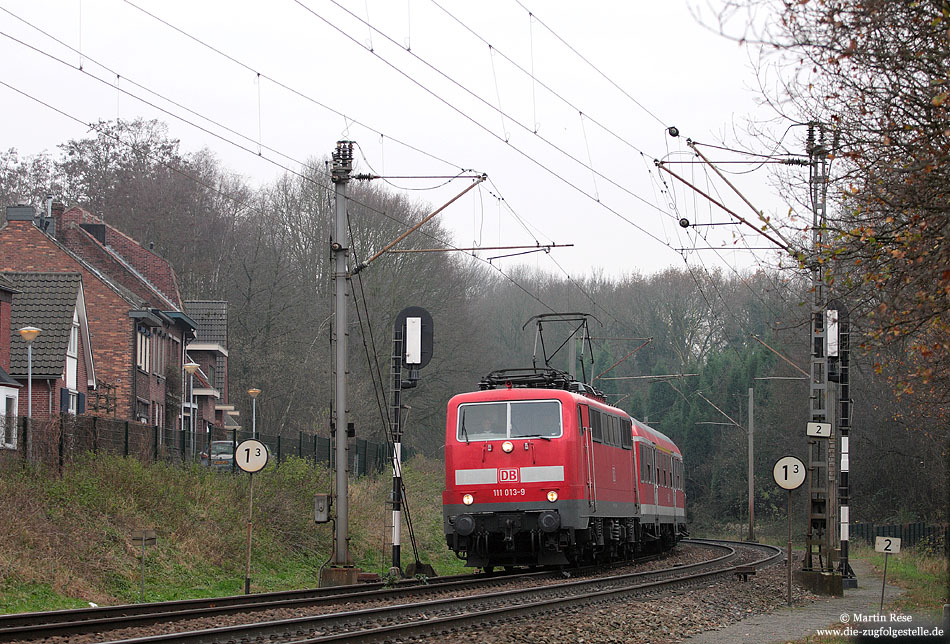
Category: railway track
[25,626]
[34,626]
[415,616]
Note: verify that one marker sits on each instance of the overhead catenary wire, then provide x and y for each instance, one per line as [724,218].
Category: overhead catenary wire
[217,135]
[302,95]
[488,130]
[288,88]
[536,81]
[590,64]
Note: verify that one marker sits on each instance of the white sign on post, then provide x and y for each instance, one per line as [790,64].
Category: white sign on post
[413,340]
[789,472]
[251,456]
[887,545]
[821,430]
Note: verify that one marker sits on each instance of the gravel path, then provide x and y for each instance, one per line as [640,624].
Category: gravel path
[798,622]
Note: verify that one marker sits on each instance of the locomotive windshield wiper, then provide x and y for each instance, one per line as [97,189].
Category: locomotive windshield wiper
[547,438]
[464,431]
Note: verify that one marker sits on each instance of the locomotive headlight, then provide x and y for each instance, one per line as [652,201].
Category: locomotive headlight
[468,499]
[552,496]
[507,446]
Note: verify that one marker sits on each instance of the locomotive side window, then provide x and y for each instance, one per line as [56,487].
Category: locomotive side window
[626,433]
[596,430]
[501,420]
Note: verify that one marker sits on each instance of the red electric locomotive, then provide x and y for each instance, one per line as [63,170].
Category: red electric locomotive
[540,471]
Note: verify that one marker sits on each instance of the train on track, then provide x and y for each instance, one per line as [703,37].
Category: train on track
[540,471]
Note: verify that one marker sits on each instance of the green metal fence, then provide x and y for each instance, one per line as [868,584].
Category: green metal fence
[60,439]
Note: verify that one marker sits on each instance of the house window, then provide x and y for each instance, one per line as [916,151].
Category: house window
[8,421]
[73,403]
[73,348]
[72,353]
[143,347]
[141,411]
[159,350]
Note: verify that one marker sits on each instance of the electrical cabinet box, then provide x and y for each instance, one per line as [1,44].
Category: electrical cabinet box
[321,508]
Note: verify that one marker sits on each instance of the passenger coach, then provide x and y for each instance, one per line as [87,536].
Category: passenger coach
[540,471]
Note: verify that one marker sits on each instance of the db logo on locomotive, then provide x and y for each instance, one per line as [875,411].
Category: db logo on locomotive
[508,476]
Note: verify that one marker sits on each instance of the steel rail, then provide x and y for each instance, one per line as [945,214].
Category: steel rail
[488,617]
[413,616]
[61,623]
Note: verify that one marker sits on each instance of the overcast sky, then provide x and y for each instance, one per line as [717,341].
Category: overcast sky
[428,88]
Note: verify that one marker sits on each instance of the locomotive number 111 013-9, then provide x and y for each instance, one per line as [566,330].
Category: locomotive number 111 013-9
[509,492]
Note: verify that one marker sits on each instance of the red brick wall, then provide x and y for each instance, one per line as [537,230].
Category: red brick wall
[41,402]
[87,247]
[154,268]
[23,247]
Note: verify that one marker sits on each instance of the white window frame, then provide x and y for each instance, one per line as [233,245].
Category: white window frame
[10,402]
[143,347]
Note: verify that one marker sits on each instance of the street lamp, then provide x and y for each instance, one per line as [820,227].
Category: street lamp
[29,333]
[254,392]
[191,367]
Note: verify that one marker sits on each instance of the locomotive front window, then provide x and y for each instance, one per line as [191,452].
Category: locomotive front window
[501,420]
[483,422]
[542,419]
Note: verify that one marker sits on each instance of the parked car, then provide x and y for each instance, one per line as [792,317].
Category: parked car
[220,456]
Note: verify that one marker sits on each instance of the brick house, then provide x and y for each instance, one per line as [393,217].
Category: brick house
[63,370]
[9,388]
[137,325]
[210,350]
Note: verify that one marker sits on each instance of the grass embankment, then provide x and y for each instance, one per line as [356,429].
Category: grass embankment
[66,539]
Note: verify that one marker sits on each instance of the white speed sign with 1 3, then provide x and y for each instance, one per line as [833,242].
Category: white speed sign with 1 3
[789,472]
[251,456]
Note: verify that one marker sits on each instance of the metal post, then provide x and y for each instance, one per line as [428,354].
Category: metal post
[193,414]
[29,397]
[29,380]
[751,466]
[250,510]
[397,448]
[341,168]
[788,508]
[884,582]
[848,578]
[254,417]
[142,596]
[821,462]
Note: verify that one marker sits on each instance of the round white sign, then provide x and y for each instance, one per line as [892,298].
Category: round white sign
[789,472]
[251,456]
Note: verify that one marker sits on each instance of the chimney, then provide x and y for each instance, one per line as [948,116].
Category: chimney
[21,213]
[56,210]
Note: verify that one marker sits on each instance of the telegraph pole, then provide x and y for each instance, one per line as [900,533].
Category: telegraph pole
[342,570]
[751,466]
